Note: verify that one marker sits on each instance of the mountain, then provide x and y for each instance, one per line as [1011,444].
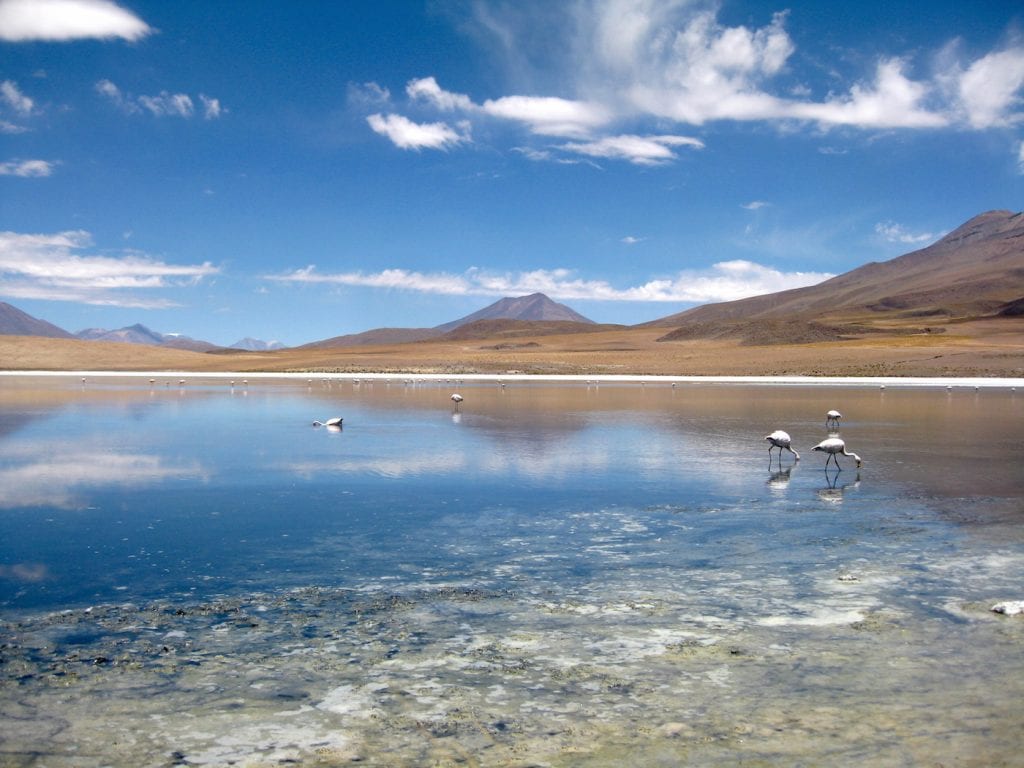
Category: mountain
[511,329]
[975,271]
[377,336]
[533,308]
[536,306]
[256,345]
[133,334]
[14,322]
[140,334]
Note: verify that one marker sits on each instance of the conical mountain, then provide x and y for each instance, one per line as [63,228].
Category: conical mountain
[536,306]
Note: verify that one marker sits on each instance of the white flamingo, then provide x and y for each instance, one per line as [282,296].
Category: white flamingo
[457,399]
[779,439]
[335,422]
[835,447]
[832,419]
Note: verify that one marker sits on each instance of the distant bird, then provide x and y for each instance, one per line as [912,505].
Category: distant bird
[457,398]
[835,446]
[335,422]
[779,439]
[832,419]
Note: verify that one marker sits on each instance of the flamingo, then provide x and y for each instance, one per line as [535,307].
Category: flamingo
[779,439]
[335,422]
[832,418]
[457,398]
[835,446]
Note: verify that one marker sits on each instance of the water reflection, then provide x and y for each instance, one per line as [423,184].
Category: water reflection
[833,491]
[553,575]
[41,475]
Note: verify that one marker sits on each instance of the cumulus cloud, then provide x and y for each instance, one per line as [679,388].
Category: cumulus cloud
[989,89]
[27,168]
[625,64]
[60,268]
[897,233]
[164,104]
[724,281]
[64,20]
[406,134]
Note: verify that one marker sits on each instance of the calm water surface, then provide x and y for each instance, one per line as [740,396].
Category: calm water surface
[550,575]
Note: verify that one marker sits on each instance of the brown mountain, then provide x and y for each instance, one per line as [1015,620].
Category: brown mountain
[14,322]
[510,329]
[377,336]
[975,271]
[536,306]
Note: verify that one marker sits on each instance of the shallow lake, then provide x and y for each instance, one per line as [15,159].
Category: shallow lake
[585,574]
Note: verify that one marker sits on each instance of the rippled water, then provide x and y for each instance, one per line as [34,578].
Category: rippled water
[194,574]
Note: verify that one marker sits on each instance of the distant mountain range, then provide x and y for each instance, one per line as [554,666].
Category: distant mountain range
[975,271]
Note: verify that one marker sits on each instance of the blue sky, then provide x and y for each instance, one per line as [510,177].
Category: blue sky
[295,171]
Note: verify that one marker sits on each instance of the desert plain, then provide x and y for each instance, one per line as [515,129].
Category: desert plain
[989,347]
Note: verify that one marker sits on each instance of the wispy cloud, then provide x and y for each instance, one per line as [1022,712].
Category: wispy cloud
[164,104]
[629,64]
[64,20]
[631,240]
[755,205]
[58,267]
[27,168]
[723,281]
[14,99]
[639,150]
[897,233]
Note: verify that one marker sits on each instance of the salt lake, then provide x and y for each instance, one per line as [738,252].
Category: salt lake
[549,573]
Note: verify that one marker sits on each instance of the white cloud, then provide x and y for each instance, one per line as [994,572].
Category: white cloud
[177,104]
[211,107]
[406,134]
[724,281]
[631,240]
[640,150]
[15,99]
[164,104]
[755,205]
[989,88]
[896,233]
[1020,157]
[549,115]
[27,168]
[52,266]
[63,20]
[636,62]
[427,89]
[892,101]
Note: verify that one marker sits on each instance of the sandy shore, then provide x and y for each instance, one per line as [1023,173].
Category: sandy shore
[240,378]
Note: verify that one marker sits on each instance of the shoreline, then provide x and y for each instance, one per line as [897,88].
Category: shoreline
[977,382]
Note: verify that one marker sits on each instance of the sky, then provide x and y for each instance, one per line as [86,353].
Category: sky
[297,171]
